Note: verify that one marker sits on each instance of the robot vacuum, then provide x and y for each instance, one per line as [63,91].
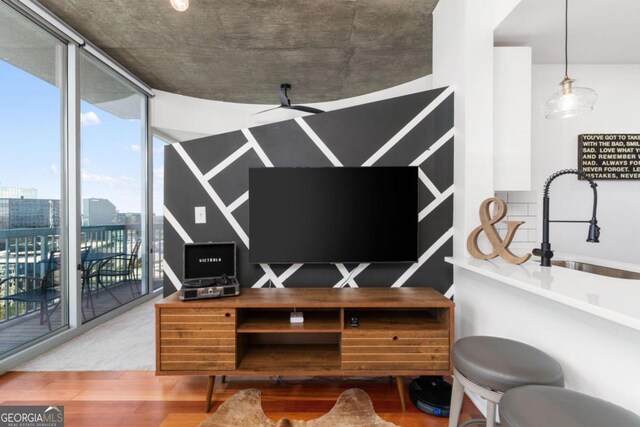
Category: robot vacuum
[431,395]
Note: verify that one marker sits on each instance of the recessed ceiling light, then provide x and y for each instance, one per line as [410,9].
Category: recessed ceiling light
[180,5]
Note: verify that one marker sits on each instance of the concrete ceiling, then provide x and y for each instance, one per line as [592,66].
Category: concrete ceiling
[600,32]
[241,50]
[32,49]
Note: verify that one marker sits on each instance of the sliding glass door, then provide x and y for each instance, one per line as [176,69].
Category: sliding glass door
[158,212]
[69,200]
[33,289]
[113,145]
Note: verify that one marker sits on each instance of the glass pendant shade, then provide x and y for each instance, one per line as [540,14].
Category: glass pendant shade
[180,5]
[570,101]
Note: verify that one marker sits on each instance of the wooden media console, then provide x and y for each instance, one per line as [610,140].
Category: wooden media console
[401,332]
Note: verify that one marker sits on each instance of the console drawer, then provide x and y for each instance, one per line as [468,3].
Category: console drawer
[197,339]
[388,350]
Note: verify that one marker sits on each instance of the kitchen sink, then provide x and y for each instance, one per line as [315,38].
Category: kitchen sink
[598,269]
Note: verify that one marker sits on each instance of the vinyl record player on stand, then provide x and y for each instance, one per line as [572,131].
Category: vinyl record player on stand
[209,271]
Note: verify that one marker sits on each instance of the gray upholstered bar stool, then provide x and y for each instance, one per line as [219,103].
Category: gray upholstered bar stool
[533,406]
[489,366]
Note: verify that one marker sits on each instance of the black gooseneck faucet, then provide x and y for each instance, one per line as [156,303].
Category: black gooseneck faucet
[545,253]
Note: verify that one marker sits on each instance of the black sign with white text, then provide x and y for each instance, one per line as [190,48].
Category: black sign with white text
[609,156]
[207,260]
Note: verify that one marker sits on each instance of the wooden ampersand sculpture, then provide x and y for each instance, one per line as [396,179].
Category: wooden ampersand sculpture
[500,246]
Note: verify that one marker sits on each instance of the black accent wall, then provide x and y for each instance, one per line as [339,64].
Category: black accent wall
[414,130]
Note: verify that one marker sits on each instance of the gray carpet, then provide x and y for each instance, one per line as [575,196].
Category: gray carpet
[124,343]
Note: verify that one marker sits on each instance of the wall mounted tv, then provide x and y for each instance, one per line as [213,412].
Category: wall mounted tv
[333,215]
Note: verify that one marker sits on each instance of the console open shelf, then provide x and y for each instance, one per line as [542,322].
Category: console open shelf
[277,321]
[290,357]
[397,320]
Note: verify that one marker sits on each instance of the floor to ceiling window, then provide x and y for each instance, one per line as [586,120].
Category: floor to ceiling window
[75,207]
[113,144]
[158,211]
[33,291]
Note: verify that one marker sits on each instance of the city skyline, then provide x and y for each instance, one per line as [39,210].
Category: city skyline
[111,164]
[21,212]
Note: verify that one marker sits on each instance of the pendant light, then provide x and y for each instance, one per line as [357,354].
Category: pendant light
[180,5]
[570,101]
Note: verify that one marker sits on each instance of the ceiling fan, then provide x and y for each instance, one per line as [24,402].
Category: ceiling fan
[285,102]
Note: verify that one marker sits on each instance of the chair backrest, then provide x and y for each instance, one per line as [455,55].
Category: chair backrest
[84,252]
[134,255]
[53,267]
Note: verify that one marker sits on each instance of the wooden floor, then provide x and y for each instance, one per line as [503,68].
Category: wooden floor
[140,399]
[23,330]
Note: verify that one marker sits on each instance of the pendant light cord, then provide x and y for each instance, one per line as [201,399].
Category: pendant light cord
[566,37]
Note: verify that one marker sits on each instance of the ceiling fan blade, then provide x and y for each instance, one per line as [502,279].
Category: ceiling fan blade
[268,109]
[306,109]
[284,100]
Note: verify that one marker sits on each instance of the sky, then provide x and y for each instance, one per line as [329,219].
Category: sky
[30,153]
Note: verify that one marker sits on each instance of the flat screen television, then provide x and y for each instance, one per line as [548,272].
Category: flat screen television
[333,215]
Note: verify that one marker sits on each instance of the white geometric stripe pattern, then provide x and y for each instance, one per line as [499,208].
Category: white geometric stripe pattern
[423,258]
[166,269]
[212,193]
[239,201]
[176,226]
[433,148]
[269,276]
[316,140]
[226,162]
[427,183]
[408,127]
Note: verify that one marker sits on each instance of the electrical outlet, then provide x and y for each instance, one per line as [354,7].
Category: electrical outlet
[201,215]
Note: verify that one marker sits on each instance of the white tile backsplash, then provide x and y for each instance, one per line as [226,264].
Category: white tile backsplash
[518,209]
[501,195]
[521,206]
[522,197]
[529,222]
[521,236]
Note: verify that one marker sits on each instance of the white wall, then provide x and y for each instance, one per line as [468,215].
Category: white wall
[184,117]
[463,59]
[512,118]
[501,9]
[555,146]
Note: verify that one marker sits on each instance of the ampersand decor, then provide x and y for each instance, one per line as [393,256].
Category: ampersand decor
[500,246]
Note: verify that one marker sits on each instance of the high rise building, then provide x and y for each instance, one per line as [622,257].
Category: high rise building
[97,212]
[18,193]
[29,213]
[127,218]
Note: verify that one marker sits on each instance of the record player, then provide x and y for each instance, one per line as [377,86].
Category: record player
[209,271]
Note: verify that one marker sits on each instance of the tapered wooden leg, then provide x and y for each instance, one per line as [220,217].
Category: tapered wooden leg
[223,379]
[212,380]
[401,392]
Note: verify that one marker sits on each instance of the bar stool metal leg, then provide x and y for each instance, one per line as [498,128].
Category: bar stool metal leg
[491,413]
[464,384]
[457,396]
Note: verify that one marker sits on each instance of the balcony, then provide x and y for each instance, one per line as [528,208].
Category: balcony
[24,252]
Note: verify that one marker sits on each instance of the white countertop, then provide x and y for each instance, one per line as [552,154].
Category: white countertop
[614,299]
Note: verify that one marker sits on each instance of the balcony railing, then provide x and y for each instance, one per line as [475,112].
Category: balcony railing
[22,252]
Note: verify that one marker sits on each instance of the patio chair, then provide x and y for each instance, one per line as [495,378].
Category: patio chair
[38,290]
[121,266]
[86,280]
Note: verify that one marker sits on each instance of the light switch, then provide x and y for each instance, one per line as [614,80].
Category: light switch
[201,215]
